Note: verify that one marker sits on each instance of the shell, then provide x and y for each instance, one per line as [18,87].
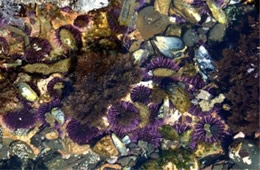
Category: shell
[58,115]
[119,145]
[27,92]
[167,45]
[217,12]
[186,11]
[204,62]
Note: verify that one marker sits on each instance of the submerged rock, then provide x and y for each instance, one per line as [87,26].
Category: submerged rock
[62,66]
[150,22]
[106,148]
[217,33]
[245,154]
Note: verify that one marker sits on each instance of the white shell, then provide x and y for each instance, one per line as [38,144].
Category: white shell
[119,145]
[27,92]
[58,115]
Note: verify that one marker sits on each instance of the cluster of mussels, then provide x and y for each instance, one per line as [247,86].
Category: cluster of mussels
[128,86]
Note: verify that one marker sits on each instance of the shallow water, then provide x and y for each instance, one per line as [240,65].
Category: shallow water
[133,84]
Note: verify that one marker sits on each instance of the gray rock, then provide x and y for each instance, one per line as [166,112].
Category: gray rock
[4,153]
[245,154]
[155,155]
[190,37]
[124,161]
[54,144]
[21,149]
[217,33]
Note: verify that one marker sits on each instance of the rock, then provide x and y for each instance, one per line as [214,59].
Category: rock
[245,154]
[204,150]
[124,161]
[150,22]
[106,148]
[55,144]
[52,135]
[88,161]
[4,153]
[110,167]
[50,160]
[173,30]
[217,33]
[21,149]
[190,38]
[155,155]
[162,6]
[62,66]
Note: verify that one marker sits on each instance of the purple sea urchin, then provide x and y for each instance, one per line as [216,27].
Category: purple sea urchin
[69,37]
[51,87]
[209,129]
[196,110]
[38,50]
[180,128]
[23,118]
[81,133]
[44,111]
[162,67]
[4,47]
[140,94]
[150,133]
[123,117]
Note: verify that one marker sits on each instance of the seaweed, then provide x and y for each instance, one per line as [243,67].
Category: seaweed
[101,80]
[238,73]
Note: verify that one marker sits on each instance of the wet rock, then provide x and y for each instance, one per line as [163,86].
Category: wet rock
[62,66]
[21,149]
[217,12]
[55,144]
[4,153]
[190,38]
[208,23]
[13,163]
[106,148]
[50,160]
[173,30]
[150,22]
[168,144]
[185,10]
[204,150]
[88,161]
[162,6]
[155,155]
[110,167]
[217,33]
[245,154]
[38,138]
[124,161]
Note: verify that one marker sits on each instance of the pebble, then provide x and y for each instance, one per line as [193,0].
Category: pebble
[190,37]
